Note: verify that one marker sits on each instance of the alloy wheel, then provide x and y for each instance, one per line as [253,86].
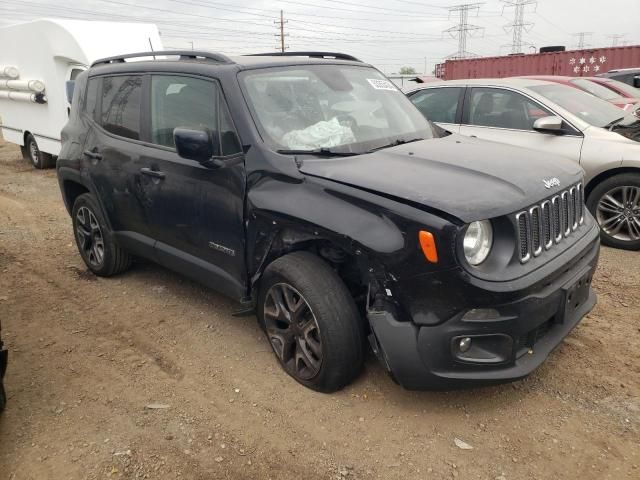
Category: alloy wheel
[89,236]
[618,213]
[293,331]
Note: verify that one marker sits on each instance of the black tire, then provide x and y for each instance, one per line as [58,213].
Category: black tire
[38,159]
[624,239]
[332,307]
[88,221]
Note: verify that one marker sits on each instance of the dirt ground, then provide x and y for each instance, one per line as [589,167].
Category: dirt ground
[89,355]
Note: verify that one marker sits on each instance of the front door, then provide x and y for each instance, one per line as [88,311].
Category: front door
[195,212]
[506,116]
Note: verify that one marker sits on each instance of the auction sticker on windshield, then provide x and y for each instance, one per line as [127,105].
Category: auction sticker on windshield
[379,84]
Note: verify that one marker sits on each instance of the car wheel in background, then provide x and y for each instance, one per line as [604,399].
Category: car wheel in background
[32,153]
[615,203]
[311,322]
[95,240]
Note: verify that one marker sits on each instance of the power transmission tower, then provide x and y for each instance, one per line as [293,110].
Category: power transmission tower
[281,23]
[615,38]
[582,36]
[518,24]
[463,30]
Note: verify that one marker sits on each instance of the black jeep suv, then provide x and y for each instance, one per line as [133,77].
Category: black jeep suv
[309,188]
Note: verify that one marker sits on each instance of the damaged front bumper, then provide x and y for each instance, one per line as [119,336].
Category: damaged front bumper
[490,334]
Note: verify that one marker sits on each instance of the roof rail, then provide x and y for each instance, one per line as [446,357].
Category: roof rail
[183,54]
[336,55]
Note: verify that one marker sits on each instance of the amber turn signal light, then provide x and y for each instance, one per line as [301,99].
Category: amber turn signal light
[428,245]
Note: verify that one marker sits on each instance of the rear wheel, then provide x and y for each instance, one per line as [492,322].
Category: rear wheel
[38,159]
[3,397]
[615,203]
[95,240]
[311,322]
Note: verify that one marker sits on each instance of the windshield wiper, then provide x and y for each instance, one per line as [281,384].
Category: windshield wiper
[395,143]
[612,124]
[324,152]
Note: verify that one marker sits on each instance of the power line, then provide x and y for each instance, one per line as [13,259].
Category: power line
[463,29]
[581,42]
[518,25]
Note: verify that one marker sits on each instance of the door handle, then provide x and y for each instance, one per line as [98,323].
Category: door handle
[92,155]
[152,173]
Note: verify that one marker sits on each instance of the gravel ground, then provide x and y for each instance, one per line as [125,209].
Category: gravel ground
[89,356]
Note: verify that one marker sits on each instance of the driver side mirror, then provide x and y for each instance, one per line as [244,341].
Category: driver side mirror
[198,145]
[550,124]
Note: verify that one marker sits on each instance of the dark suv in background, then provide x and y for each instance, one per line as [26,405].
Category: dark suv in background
[308,188]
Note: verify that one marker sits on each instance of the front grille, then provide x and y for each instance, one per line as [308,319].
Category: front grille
[542,226]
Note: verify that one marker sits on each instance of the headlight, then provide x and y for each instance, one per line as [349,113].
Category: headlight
[478,241]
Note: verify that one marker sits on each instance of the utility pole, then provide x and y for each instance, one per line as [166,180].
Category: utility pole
[463,30]
[582,36]
[281,23]
[615,38]
[518,24]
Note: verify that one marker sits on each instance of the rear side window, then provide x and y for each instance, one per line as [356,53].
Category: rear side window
[181,102]
[120,112]
[91,100]
[438,104]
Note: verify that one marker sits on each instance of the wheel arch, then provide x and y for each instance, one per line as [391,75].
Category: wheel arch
[601,177]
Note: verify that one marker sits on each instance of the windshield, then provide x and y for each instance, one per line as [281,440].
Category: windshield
[341,108]
[595,89]
[626,88]
[592,110]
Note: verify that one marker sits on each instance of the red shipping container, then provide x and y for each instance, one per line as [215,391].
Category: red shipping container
[575,63]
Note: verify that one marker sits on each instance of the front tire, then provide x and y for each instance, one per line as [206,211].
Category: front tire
[32,153]
[311,322]
[615,204]
[95,240]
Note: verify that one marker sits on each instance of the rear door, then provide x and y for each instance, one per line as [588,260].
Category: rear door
[507,116]
[194,212]
[112,156]
[442,105]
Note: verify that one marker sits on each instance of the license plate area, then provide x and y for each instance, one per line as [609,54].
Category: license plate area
[577,293]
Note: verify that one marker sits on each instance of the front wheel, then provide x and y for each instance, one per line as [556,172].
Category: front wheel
[615,203]
[311,322]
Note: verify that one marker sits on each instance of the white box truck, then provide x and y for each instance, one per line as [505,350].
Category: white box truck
[37,59]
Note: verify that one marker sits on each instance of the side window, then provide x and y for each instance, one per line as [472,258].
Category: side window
[91,99]
[181,102]
[120,112]
[75,72]
[494,107]
[438,104]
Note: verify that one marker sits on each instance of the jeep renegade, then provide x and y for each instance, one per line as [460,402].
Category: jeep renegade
[308,188]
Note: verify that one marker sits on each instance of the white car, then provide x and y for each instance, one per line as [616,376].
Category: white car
[554,118]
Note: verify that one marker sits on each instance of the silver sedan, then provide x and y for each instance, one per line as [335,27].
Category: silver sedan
[553,118]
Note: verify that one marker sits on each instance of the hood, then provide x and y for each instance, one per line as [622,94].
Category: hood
[468,178]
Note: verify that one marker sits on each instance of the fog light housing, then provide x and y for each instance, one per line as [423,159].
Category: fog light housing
[464,344]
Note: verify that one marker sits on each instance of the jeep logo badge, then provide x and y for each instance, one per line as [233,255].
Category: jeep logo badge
[551,182]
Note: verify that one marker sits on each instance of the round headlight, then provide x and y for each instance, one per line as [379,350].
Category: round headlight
[478,241]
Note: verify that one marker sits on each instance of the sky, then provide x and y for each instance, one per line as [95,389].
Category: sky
[388,33]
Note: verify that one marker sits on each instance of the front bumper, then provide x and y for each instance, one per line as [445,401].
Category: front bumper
[512,331]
